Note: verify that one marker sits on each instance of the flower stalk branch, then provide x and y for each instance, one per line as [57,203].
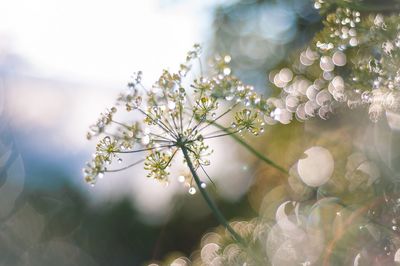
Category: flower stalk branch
[213,207]
[251,149]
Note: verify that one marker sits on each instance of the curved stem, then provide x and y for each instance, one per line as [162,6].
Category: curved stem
[217,213]
[252,150]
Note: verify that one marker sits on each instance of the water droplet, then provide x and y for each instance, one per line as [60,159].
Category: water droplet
[284,116]
[327,75]
[107,140]
[192,190]
[300,113]
[227,59]
[119,160]
[181,179]
[285,75]
[145,140]
[311,108]
[227,71]
[323,98]
[305,60]
[278,82]
[339,58]
[203,185]
[311,92]
[324,112]
[353,41]
[326,63]
[291,103]
[171,105]
[308,168]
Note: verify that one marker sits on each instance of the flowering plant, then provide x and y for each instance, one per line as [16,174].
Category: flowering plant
[174,117]
[353,61]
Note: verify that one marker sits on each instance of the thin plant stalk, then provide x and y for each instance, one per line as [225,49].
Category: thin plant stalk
[252,150]
[213,207]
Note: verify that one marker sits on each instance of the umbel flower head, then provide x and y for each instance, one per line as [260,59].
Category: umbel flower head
[175,114]
[354,60]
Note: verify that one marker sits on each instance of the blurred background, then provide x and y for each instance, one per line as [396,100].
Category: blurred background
[62,63]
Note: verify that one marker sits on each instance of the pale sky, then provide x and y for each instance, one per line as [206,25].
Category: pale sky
[81,54]
[102,40]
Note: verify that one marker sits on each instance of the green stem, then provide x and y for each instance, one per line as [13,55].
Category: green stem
[252,150]
[217,213]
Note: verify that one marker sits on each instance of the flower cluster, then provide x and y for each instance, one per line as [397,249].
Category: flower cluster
[173,114]
[352,61]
